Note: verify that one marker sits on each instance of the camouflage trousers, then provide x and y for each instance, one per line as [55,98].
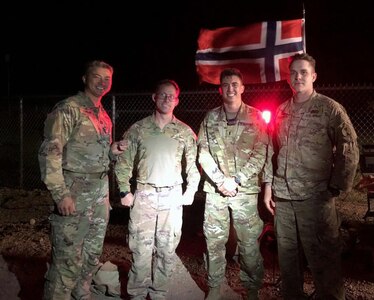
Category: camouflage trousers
[155,228]
[309,227]
[248,226]
[77,240]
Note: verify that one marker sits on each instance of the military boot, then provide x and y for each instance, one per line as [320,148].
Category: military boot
[222,292]
[214,293]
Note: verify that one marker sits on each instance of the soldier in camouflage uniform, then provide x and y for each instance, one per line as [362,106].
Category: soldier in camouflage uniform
[155,147]
[232,144]
[74,161]
[316,157]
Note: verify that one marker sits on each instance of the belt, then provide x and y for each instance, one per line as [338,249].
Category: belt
[99,175]
[158,189]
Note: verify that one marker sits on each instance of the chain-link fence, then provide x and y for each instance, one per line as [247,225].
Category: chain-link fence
[22,122]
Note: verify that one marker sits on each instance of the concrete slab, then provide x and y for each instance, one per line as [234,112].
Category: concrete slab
[182,286]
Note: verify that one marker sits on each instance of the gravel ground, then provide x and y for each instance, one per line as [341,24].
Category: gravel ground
[25,246]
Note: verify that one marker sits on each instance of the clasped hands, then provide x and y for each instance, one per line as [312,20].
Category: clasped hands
[228,187]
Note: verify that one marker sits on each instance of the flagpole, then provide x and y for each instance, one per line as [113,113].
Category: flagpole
[303,29]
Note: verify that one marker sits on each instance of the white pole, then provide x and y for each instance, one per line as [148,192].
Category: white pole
[303,29]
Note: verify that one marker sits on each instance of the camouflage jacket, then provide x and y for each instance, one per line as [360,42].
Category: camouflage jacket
[316,147]
[158,157]
[77,138]
[240,154]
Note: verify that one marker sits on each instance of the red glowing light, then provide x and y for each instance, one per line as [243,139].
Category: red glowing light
[266,115]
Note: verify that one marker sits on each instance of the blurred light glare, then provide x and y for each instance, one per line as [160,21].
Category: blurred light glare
[266,115]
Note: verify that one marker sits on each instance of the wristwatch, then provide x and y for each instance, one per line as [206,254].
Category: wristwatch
[123,194]
[237,180]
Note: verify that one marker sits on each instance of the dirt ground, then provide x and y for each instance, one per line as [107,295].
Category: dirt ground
[24,245]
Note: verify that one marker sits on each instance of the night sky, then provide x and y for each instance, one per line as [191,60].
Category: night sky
[45,45]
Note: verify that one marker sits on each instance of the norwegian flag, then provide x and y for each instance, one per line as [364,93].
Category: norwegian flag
[260,51]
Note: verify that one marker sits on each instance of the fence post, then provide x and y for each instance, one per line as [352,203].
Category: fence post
[112,178]
[21,144]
